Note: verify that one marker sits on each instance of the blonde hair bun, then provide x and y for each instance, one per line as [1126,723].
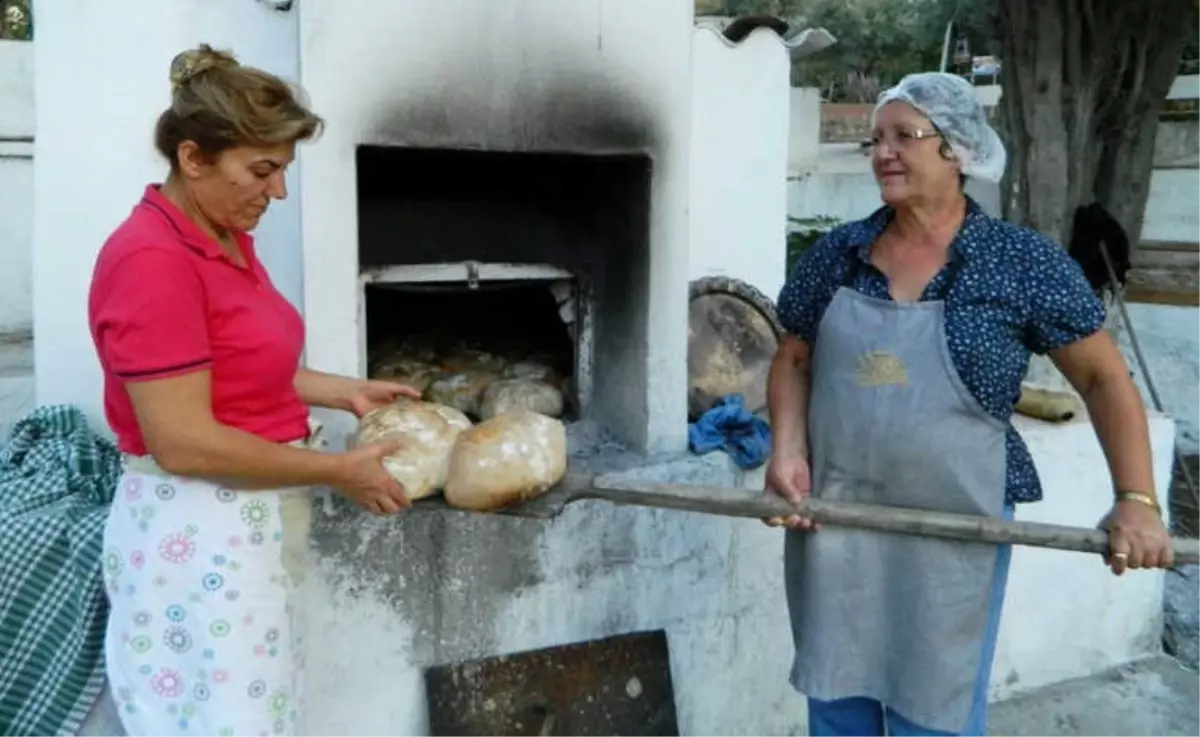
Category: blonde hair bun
[218,104]
[187,65]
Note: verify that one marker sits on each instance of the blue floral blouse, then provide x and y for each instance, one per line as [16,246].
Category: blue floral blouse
[1016,292]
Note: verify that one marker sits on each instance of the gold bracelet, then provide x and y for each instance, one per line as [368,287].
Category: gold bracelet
[1137,496]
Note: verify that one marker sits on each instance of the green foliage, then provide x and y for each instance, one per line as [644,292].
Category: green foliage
[879,41]
[803,233]
[781,8]
[16,20]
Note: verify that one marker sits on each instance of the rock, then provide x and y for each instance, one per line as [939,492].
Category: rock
[1181,615]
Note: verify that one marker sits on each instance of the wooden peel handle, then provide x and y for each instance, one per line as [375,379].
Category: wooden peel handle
[737,503]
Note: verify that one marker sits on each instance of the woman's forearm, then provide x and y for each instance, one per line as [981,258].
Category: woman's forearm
[318,389]
[1119,418]
[242,460]
[787,398]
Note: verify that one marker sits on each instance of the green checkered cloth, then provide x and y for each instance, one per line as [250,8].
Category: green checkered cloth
[57,480]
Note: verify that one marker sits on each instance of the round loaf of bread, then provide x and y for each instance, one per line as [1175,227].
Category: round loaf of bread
[461,390]
[406,370]
[428,432]
[471,359]
[532,371]
[511,457]
[506,395]
[419,349]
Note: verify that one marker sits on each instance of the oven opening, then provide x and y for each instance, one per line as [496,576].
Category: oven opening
[452,340]
[534,264]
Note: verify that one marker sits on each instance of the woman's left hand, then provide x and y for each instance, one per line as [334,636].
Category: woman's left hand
[1137,538]
[368,394]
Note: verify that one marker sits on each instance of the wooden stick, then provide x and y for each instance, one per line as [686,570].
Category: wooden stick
[741,503]
[737,502]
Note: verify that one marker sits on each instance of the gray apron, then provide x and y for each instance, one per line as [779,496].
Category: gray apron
[898,618]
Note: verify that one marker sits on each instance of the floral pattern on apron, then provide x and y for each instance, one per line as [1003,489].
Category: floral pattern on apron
[205,632]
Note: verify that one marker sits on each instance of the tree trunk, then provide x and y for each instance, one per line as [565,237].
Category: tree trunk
[1084,81]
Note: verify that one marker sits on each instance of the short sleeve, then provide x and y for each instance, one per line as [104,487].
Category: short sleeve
[809,288]
[1063,307]
[150,318]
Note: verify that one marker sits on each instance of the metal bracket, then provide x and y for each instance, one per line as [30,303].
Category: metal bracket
[472,274]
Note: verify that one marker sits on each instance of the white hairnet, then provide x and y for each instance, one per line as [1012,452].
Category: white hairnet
[949,101]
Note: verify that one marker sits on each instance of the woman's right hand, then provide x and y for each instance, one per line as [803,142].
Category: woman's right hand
[788,476]
[363,479]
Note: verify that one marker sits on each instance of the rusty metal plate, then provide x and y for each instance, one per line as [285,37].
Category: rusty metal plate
[615,686]
[733,334]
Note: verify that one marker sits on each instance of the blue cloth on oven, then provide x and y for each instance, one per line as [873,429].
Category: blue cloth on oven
[729,426]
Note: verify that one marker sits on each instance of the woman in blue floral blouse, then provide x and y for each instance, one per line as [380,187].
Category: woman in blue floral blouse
[909,334]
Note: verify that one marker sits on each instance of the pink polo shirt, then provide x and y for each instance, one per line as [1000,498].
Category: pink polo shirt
[165,300]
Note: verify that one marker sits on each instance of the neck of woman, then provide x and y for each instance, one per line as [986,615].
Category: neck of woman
[177,195]
[931,222]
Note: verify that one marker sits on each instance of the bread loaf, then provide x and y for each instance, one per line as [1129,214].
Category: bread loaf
[530,370]
[511,457]
[461,390]
[506,395]
[412,372]
[428,432]
[470,359]
[419,350]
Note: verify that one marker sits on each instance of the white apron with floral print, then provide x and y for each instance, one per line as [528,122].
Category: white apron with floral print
[205,632]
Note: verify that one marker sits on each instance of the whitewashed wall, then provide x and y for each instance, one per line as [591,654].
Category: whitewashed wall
[739,157]
[98,95]
[1171,211]
[16,232]
[476,75]
[1065,614]
[804,139]
[16,185]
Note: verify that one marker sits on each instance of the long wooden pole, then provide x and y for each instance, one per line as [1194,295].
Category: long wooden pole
[738,503]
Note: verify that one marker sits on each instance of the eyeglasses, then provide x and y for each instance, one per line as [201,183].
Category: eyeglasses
[903,137]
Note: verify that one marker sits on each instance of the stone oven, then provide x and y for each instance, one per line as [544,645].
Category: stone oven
[493,165]
[513,177]
[507,261]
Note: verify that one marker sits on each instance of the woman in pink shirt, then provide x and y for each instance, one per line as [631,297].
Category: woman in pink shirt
[206,539]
